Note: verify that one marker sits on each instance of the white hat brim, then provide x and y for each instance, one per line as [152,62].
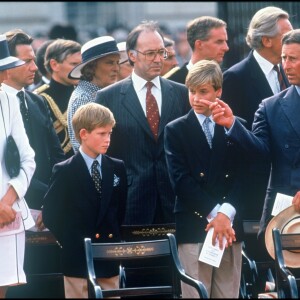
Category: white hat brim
[10,62]
[76,72]
[280,221]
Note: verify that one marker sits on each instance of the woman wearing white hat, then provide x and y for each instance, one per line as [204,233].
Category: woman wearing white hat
[99,68]
[15,216]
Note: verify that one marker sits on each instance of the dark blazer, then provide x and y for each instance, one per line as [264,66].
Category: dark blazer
[45,143]
[276,134]
[201,177]
[72,210]
[178,76]
[244,87]
[133,142]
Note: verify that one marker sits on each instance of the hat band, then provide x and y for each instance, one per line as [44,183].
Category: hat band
[4,52]
[99,50]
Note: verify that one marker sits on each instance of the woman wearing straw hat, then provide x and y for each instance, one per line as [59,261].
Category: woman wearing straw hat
[15,216]
[98,69]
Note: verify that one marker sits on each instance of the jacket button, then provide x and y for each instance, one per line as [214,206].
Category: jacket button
[226,176]
[110,235]
[97,235]
[201,174]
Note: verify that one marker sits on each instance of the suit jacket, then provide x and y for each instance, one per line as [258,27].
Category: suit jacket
[201,177]
[45,143]
[72,210]
[133,142]
[178,76]
[275,134]
[244,87]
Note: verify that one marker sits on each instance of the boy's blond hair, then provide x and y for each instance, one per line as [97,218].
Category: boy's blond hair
[90,116]
[205,72]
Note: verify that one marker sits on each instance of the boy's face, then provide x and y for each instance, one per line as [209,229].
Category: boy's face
[97,141]
[205,91]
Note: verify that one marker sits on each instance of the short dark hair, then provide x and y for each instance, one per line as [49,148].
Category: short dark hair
[199,28]
[59,50]
[135,33]
[17,37]
[291,37]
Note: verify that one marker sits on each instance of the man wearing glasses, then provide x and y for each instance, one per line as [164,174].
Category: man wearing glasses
[143,104]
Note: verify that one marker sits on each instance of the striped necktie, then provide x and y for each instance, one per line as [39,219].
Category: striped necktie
[207,131]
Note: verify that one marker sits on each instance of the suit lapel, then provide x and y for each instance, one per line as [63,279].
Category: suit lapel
[258,79]
[167,105]
[290,104]
[132,104]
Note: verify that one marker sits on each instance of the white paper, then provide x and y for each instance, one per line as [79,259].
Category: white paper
[210,254]
[35,213]
[282,202]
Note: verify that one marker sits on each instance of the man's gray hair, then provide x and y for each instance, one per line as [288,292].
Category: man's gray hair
[264,23]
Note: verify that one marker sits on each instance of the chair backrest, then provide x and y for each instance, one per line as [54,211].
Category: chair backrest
[286,282]
[144,252]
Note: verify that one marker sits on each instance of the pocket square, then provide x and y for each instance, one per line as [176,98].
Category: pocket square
[116,180]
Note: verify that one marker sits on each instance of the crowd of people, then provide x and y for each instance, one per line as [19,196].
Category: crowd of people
[121,133]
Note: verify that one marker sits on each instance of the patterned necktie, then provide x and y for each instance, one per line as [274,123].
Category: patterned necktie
[23,108]
[206,130]
[152,110]
[96,176]
[280,78]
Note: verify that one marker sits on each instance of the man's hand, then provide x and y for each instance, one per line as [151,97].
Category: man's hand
[221,112]
[222,228]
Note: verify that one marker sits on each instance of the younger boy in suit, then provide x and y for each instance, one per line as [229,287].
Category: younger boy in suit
[205,176]
[86,198]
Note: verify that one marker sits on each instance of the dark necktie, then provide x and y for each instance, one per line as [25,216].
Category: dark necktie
[152,110]
[23,108]
[96,176]
[280,78]
[207,131]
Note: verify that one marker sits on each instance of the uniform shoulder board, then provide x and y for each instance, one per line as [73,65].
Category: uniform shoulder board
[171,72]
[41,89]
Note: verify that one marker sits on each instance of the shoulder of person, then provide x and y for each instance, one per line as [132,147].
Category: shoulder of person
[171,72]
[41,89]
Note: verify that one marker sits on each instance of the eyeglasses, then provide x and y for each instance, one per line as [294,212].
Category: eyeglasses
[150,55]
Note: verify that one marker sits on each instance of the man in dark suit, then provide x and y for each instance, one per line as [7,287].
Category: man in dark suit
[207,36]
[246,84]
[78,205]
[38,125]
[206,175]
[275,131]
[150,195]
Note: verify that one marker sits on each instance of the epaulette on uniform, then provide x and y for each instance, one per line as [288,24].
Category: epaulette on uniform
[41,89]
[171,72]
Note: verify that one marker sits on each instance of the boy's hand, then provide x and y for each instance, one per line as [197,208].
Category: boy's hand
[221,112]
[222,228]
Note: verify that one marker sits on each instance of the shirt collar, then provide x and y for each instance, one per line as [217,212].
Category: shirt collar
[89,160]
[201,118]
[297,89]
[10,89]
[265,65]
[139,82]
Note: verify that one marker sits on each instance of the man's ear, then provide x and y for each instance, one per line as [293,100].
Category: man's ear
[266,41]
[132,55]
[83,133]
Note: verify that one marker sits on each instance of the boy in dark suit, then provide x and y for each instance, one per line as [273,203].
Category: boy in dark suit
[87,198]
[205,176]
